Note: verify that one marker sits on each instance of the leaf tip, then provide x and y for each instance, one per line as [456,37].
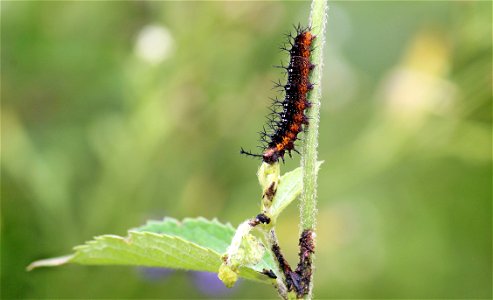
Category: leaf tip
[49,262]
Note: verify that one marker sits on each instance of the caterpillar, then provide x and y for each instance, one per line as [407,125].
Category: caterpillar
[288,116]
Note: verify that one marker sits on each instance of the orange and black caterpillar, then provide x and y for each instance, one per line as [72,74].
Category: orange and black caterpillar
[285,124]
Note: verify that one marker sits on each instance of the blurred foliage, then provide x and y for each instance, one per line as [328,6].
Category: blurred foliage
[102,130]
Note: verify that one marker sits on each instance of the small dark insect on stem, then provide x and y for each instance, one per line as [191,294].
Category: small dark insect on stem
[260,218]
[269,273]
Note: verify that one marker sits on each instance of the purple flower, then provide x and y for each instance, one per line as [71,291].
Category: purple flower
[154,274]
[209,285]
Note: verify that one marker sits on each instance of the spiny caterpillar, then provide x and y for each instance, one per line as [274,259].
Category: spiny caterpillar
[285,124]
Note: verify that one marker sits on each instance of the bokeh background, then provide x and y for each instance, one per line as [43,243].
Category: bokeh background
[118,112]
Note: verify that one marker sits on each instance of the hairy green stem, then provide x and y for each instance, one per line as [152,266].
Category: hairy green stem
[308,203]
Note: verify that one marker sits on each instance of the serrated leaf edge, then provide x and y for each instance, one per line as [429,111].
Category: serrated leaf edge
[247,272]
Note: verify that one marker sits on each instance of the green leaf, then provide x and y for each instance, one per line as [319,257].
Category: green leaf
[210,234]
[194,244]
[289,189]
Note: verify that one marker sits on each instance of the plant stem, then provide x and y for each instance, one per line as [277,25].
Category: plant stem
[308,204]
[283,266]
[309,158]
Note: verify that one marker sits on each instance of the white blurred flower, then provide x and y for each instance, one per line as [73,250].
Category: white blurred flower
[154,44]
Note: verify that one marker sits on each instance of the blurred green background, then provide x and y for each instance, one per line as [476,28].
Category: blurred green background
[118,112]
